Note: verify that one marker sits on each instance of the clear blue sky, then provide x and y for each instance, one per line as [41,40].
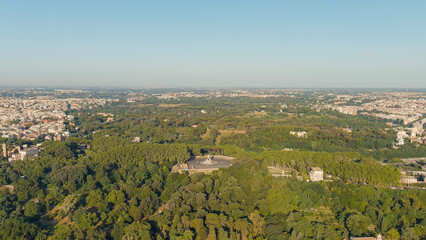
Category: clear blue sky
[215,43]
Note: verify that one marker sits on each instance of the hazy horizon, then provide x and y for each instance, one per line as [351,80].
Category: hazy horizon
[193,44]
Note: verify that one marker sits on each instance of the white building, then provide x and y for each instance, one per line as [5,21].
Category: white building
[379,237]
[408,180]
[400,142]
[316,174]
[299,134]
[401,134]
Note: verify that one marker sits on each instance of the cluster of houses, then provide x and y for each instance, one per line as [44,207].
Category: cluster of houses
[406,106]
[38,117]
[19,153]
[216,94]
[415,134]
[32,130]
[414,176]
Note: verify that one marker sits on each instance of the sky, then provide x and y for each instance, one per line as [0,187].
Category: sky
[206,43]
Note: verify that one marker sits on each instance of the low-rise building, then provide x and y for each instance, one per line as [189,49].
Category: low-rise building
[31,152]
[400,141]
[58,138]
[408,180]
[419,173]
[205,164]
[299,133]
[316,174]
[280,171]
[379,237]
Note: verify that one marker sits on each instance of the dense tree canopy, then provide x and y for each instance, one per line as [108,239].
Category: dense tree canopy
[99,184]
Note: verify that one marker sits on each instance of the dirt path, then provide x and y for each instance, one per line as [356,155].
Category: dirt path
[10,187]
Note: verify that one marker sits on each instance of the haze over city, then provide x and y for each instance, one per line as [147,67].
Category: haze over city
[278,44]
[213,120]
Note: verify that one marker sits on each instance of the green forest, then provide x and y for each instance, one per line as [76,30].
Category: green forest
[100,184]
